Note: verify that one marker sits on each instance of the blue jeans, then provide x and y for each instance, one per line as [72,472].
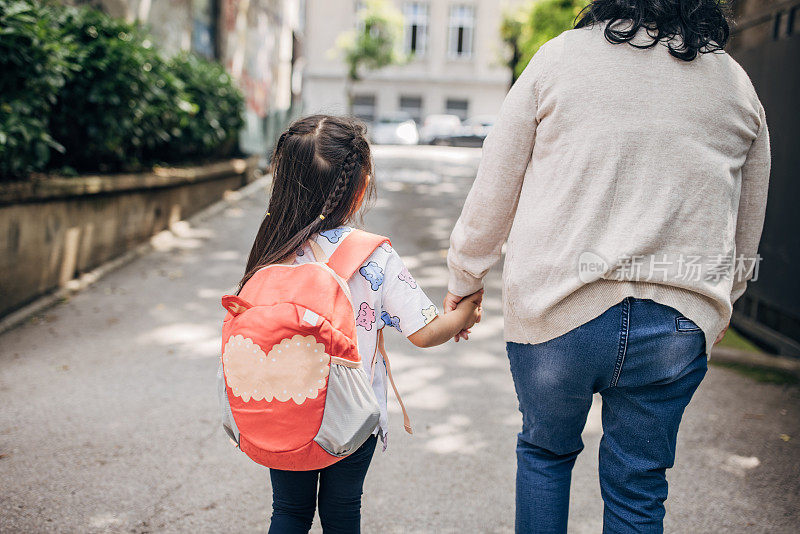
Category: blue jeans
[646,361]
[294,495]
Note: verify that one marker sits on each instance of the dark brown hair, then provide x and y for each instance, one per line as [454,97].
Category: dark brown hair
[701,25]
[320,168]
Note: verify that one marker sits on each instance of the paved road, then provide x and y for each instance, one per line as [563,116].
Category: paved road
[109,416]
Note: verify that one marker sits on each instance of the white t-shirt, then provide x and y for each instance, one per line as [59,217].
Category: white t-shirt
[384,294]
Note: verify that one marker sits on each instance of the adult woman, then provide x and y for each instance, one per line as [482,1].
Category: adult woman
[636,153]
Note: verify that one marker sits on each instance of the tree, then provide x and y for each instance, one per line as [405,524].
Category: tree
[374,45]
[510,32]
[533,24]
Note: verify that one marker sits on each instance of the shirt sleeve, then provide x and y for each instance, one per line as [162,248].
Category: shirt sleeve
[752,208]
[485,221]
[405,306]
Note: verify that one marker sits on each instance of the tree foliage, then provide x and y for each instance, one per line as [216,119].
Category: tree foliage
[511,23]
[535,23]
[375,43]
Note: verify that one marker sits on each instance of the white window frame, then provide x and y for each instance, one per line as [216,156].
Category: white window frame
[416,14]
[462,22]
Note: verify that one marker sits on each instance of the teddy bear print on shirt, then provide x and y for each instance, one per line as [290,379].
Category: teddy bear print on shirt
[389,320]
[373,274]
[406,277]
[366,316]
[429,313]
[333,235]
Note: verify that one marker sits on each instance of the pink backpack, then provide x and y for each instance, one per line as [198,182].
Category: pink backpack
[292,389]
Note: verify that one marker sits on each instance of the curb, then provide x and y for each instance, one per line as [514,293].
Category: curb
[756,359]
[87,279]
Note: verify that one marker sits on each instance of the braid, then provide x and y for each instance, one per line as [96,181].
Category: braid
[312,154]
[350,165]
[281,140]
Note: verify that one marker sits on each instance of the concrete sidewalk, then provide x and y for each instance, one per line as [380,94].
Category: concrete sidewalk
[109,419]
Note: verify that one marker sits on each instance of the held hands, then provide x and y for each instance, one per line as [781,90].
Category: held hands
[459,316]
[470,305]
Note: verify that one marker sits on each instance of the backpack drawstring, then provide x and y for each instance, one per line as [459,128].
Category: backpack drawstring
[379,346]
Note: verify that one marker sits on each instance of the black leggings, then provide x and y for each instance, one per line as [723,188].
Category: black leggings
[294,495]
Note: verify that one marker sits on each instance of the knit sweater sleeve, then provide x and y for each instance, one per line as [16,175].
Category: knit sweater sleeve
[485,221]
[752,206]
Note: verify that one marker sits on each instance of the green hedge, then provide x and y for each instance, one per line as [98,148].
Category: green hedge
[82,91]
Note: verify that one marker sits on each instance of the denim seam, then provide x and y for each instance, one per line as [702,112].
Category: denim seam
[623,341]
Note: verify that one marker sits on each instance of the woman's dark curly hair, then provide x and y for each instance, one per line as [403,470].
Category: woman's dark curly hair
[701,25]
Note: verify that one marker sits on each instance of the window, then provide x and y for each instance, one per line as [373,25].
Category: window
[413,106]
[462,27]
[364,107]
[415,31]
[457,106]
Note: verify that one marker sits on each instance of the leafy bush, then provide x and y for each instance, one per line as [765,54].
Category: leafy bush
[214,106]
[118,104]
[123,102]
[34,63]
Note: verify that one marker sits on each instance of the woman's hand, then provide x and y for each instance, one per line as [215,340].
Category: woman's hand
[472,306]
[722,334]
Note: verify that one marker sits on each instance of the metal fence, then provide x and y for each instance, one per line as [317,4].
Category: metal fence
[768,47]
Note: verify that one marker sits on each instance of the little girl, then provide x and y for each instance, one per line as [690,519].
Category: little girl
[322,169]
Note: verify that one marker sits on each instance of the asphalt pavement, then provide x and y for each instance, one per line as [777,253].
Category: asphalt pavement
[109,417]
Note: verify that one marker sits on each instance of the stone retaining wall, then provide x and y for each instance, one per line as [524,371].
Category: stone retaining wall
[52,230]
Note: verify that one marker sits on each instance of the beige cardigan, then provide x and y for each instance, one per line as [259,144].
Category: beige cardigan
[614,172]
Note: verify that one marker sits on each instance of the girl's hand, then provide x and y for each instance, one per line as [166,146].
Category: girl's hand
[471,306]
[456,322]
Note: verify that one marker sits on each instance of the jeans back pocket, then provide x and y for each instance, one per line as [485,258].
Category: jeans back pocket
[684,324]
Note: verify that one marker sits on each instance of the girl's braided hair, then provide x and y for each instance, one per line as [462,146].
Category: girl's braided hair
[320,171]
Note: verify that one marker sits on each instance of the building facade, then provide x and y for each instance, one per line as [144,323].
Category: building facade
[456,64]
[766,42]
[256,40]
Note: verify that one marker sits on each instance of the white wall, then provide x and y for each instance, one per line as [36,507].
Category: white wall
[482,79]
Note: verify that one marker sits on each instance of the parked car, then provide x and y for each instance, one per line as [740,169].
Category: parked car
[395,129]
[474,131]
[438,129]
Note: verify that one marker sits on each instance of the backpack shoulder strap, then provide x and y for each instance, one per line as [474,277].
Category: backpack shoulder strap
[353,251]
